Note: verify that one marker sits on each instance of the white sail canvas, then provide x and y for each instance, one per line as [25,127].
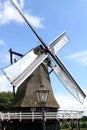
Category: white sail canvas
[14,70]
[68,81]
[29,70]
[18,72]
[58,43]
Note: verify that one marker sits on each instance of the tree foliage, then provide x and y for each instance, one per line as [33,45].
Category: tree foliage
[6,99]
[84,118]
[83,121]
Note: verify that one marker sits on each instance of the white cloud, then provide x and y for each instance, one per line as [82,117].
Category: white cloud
[21,3]
[67,102]
[4,84]
[34,20]
[4,58]
[80,57]
[8,13]
[2,42]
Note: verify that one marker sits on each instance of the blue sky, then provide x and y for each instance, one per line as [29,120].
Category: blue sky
[49,18]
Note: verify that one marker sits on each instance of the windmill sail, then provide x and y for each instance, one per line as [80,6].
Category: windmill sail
[14,70]
[28,71]
[65,77]
[19,71]
[58,43]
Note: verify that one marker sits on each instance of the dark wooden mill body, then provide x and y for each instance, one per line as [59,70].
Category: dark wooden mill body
[26,95]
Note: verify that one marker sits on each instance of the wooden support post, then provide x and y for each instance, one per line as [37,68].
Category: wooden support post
[3,125]
[58,125]
[14,91]
[71,124]
[78,124]
[11,60]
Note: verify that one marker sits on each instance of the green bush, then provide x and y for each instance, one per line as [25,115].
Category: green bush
[84,118]
[6,99]
[83,125]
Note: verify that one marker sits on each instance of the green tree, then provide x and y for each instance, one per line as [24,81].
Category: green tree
[84,118]
[83,122]
[6,99]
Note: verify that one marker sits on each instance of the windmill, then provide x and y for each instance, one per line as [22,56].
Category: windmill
[30,73]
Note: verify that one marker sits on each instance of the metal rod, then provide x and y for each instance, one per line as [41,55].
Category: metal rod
[78,124]
[14,91]
[15,53]
[43,120]
[51,71]
[10,51]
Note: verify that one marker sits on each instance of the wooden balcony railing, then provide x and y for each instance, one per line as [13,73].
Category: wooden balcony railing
[61,114]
